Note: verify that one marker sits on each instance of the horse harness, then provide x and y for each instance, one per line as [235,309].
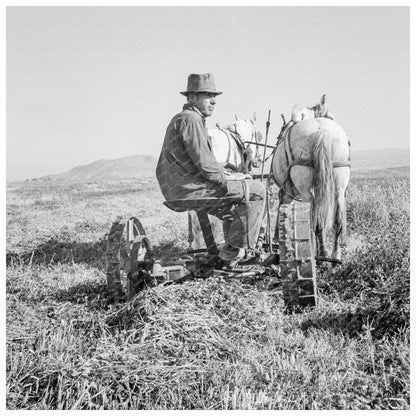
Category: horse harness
[285,139]
[245,152]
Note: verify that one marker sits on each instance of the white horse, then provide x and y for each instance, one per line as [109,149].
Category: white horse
[235,147]
[311,162]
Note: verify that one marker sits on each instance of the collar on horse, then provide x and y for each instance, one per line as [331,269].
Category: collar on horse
[232,134]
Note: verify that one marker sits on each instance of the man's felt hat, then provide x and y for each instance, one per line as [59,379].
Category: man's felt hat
[201,83]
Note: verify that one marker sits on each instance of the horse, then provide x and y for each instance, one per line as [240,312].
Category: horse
[311,161]
[235,146]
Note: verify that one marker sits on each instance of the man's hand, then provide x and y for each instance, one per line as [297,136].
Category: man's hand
[237,176]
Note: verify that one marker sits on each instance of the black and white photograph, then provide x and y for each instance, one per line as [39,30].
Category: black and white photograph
[207,206]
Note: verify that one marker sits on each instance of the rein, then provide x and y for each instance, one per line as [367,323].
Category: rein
[229,138]
[232,131]
[254,134]
[254,140]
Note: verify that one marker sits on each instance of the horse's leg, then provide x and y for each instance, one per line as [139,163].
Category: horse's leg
[341,178]
[302,177]
[322,249]
[337,230]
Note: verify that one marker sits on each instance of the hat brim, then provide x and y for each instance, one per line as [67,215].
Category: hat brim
[186,93]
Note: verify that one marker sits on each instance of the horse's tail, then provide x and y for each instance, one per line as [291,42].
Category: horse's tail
[323,183]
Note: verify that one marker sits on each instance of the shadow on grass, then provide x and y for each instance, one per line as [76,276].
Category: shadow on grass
[345,322]
[378,320]
[168,250]
[92,254]
[54,251]
[92,294]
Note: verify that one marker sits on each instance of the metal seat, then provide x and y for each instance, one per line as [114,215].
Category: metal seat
[201,206]
[181,205]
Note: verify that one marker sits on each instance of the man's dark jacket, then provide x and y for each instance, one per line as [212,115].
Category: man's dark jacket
[187,168]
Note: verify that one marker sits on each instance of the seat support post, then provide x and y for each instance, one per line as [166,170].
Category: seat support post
[207,232]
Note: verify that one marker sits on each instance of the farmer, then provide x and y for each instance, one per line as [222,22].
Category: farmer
[187,171]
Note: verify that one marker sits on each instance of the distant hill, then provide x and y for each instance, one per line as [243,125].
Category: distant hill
[373,159]
[144,166]
[380,173]
[137,166]
[380,158]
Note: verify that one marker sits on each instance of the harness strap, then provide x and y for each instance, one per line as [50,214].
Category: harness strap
[289,146]
[246,190]
[232,135]
[290,162]
[335,164]
[285,148]
[341,164]
[243,151]
[229,146]
[300,163]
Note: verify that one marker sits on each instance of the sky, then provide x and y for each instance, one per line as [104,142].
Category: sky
[90,83]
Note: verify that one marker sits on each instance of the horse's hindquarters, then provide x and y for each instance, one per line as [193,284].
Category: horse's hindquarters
[312,162]
[302,178]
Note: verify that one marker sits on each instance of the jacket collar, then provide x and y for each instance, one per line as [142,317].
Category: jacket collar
[191,107]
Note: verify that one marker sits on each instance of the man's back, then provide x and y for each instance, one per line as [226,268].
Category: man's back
[187,167]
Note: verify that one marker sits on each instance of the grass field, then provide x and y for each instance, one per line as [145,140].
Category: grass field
[204,344]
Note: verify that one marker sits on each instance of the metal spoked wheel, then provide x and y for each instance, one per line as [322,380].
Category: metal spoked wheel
[127,245]
[297,255]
